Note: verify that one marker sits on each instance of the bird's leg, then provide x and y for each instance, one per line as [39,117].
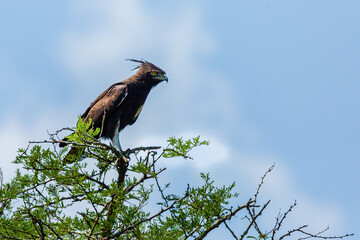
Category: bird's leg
[116,141]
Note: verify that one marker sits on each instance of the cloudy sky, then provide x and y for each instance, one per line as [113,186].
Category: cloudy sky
[265,81]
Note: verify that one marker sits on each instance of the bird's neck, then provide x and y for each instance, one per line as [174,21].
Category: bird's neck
[138,89]
[137,81]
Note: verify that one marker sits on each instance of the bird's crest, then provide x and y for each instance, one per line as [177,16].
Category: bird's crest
[141,62]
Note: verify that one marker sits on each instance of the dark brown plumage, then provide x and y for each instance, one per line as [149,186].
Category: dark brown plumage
[121,104]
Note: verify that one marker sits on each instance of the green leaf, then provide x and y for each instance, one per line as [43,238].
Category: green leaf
[180,148]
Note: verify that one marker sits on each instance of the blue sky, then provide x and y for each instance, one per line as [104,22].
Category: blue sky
[264,81]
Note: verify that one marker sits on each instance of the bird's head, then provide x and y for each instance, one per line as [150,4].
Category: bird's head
[149,73]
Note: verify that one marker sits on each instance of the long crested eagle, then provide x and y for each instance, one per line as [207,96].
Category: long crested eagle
[121,104]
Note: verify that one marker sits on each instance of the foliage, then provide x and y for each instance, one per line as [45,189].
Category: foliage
[106,194]
[180,148]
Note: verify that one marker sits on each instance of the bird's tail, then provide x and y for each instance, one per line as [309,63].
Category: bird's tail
[62,144]
[74,154]
[65,140]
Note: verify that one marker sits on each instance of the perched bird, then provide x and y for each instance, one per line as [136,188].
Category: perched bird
[121,104]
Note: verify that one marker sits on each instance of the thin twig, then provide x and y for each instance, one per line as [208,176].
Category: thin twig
[223,219]
[292,231]
[262,182]
[253,220]
[279,223]
[231,231]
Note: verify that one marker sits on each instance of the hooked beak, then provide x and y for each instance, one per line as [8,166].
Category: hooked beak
[162,78]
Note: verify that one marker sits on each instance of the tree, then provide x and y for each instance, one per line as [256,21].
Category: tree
[103,194]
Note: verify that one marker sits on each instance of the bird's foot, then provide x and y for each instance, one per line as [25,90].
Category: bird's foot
[116,147]
[125,160]
[127,153]
[124,155]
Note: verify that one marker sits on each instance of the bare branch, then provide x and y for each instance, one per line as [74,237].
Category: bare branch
[310,235]
[279,222]
[253,220]
[262,182]
[231,231]
[292,231]
[318,235]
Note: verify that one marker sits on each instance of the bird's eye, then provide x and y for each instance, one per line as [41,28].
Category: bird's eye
[154,73]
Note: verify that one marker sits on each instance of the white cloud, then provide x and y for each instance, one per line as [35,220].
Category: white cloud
[113,33]
[205,157]
[126,29]
[11,139]
[16,133]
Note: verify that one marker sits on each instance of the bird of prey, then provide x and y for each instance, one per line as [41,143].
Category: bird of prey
[121,104]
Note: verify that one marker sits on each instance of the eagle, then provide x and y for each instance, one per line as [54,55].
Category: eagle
[120,104]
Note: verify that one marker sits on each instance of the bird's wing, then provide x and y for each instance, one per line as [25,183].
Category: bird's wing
[105,103]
